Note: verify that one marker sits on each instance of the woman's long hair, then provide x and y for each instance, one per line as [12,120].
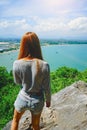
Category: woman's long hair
[30,46]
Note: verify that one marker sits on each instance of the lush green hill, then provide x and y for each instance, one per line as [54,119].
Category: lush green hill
[60,78]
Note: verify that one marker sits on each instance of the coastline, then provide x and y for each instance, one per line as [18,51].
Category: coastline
[7,51]
[74,56]
[6,47]
[16,47]
[11,44]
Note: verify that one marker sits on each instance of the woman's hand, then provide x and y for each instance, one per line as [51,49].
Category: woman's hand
[48,104]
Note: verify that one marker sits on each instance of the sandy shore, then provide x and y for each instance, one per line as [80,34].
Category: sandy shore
[4,43]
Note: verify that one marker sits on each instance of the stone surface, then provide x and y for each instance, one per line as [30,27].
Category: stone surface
[67,112]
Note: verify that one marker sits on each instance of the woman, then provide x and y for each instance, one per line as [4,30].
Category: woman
[33,74]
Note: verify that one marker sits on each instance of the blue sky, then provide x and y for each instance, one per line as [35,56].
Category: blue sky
[48,18]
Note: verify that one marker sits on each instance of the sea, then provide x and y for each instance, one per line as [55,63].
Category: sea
[57,52]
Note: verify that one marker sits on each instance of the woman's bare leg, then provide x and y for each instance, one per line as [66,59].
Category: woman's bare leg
[16,119]
[36,121]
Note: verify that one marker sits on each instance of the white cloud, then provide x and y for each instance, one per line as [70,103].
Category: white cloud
[3,24]
[45,27]
[78,24]
[48,25]
[75,25]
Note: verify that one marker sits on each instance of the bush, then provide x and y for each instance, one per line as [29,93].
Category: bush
[5,77]
[65,76]
[8,93]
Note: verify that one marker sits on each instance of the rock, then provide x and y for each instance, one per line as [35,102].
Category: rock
[67,112]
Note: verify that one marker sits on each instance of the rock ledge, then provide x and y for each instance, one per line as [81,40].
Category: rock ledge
[67,112]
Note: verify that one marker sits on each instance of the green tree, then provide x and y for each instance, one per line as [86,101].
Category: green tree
[3,76]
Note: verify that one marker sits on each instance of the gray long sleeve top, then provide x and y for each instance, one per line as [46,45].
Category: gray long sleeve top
[33,75]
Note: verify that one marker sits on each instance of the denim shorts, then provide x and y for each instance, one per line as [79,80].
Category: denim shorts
[35,104]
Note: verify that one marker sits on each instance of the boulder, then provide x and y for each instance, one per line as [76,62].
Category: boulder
[67,112]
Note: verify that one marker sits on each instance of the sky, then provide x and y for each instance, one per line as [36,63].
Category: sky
[57,19]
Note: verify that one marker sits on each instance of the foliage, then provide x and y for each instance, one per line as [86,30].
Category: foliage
[8,93]
[65,76]
[60,78]
[5,77]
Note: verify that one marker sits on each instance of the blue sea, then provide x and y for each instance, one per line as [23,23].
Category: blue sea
[57,53]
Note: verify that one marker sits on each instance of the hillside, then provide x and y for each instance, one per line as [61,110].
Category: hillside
[61,78]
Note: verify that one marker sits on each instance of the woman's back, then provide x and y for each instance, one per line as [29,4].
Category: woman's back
[31,74]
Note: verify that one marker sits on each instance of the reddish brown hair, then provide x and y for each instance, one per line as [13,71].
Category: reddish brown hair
[30,46]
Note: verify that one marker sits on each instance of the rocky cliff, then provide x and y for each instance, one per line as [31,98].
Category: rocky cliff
[67,112]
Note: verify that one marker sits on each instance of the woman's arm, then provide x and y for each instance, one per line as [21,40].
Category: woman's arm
[47,86]
[16,74]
